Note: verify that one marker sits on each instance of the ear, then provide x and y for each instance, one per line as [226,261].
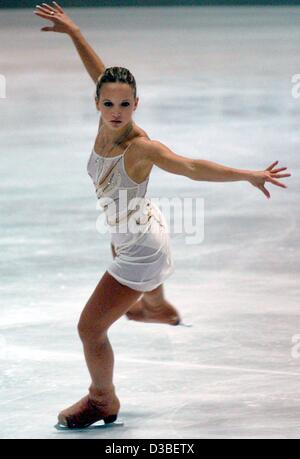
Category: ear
[96,103]
[136,103]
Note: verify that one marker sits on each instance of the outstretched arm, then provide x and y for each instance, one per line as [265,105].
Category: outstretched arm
[63,24]
[201,169]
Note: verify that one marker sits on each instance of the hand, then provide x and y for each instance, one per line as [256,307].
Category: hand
[61,22]
[258,178]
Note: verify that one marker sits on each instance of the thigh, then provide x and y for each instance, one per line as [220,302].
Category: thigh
[155,296]
[109,301]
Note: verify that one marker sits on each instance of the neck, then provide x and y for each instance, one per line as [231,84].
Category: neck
[112,135]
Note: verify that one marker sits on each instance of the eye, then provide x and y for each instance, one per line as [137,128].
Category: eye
[109,104]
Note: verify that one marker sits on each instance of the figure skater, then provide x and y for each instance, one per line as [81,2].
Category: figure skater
[122,160]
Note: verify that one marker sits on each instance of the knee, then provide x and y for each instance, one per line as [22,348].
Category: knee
[91,333]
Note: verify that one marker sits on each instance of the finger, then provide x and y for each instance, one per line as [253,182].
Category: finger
[265,191]
[47,29]
[281,175]
[275,182]
[43,9]
[48,7]
[278,170]
[271,167]
[44,15]
[58,7]
[39,13]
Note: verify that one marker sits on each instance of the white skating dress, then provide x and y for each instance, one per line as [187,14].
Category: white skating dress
[139,231]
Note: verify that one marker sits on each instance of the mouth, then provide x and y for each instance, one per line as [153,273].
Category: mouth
[116,122]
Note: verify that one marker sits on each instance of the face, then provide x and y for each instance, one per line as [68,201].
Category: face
[116,103]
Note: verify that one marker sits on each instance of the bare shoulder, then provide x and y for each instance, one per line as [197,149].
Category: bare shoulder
[144,144]
[150,149]
[139,133]
[142,148]
[154,152]
[140,144]
[137,163]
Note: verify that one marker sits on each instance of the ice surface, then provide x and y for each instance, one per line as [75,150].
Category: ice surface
[214,84]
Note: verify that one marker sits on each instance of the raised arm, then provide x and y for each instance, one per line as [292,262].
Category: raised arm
[63,24]
[200,169]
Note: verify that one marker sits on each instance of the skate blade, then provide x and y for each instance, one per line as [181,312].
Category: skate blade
[184,324]
[97,425]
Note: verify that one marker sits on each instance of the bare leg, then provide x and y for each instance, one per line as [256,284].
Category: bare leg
[109,302]
[152,307]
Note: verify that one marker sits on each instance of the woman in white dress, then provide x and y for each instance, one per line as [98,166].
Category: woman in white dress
[122,159]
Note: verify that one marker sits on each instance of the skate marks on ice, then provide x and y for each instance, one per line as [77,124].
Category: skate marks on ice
[96,426]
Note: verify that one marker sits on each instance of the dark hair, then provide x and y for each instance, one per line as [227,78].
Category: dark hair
[115,75]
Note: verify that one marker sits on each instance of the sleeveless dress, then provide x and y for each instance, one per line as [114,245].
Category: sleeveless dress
[139,231]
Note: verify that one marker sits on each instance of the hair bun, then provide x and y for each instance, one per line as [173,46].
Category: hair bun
[115,75]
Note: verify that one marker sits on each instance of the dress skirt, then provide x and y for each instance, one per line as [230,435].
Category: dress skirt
[143,258]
